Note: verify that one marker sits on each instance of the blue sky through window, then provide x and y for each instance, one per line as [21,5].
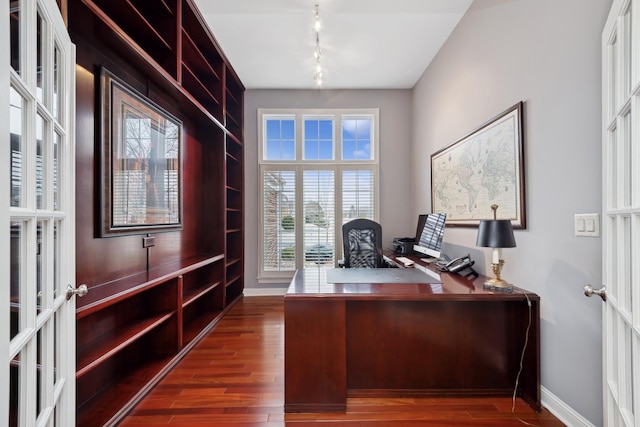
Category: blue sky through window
[318,139]
[280,143]
[356,139]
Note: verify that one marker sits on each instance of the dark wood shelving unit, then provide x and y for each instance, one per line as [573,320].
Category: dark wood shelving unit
[119,392]
[201,92]
[233,104]
[198,314]
[196,294]
[136,323]
[142,24]
[234,171]
[202,62]
[102,349]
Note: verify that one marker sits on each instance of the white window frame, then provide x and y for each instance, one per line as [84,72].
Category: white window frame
[300,165]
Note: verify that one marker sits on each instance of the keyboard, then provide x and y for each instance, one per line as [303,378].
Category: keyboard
[405,261]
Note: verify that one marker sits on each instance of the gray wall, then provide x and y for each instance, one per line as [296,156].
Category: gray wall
[396,214]
[547,54]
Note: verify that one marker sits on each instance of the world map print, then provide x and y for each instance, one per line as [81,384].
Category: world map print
[480,170]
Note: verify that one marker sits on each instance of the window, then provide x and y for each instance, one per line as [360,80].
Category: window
[318,170]
[318,139]
[356,139]
[280,139]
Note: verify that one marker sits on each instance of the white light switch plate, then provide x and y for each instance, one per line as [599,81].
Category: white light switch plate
[587,225]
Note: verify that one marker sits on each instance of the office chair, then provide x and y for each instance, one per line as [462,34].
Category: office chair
[362,242]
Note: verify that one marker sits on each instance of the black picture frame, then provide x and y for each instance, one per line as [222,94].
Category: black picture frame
[141,156]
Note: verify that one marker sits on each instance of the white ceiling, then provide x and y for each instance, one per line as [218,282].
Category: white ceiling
[366,44]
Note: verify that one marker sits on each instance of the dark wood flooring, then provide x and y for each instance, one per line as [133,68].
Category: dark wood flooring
[235,377]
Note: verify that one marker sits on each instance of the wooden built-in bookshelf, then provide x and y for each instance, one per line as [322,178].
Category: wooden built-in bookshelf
[147,307]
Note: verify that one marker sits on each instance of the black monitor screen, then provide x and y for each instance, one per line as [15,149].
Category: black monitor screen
[422,218]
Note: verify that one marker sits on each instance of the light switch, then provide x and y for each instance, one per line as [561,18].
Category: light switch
[587,225]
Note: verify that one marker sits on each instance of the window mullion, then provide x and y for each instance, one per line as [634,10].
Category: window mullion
[338,211]
[299,135]
[299,217]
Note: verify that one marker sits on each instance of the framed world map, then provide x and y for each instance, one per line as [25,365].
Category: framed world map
[483,168]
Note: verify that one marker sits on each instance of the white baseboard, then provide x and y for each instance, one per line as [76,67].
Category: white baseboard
[562,411]
[261,292]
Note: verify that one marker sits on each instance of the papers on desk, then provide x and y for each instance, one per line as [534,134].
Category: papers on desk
[382,275]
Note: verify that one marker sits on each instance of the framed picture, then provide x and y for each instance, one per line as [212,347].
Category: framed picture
[140,162]
[483,168]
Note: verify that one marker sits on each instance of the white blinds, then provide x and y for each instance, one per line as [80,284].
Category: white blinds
[358,194]
[303,210]
[318,197]
[279,191]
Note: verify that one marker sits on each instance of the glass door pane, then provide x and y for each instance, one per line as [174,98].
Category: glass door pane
[14,35]
[16,124]
[16,279]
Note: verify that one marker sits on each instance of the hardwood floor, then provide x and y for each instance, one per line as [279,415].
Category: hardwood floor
[235,377]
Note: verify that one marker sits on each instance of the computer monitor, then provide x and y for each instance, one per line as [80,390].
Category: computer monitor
[430,240]
[421,220]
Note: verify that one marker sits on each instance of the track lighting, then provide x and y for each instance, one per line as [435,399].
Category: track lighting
[317,52]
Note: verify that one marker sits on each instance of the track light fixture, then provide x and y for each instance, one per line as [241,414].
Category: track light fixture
[317,52]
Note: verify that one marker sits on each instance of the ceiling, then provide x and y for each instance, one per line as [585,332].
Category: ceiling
[372,44]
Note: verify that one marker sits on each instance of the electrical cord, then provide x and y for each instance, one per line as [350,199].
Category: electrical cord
[524,349]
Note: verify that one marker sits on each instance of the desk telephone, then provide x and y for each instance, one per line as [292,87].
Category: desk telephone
[459,265]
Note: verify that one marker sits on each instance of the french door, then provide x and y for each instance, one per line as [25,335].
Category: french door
[37,228]
[621,214]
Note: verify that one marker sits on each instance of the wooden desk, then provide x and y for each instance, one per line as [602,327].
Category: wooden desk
[382,339]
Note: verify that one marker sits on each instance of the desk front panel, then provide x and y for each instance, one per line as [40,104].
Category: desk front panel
[314,356]
[398,339]
[462,347]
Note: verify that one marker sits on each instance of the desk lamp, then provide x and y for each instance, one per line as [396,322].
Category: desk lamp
[496,234]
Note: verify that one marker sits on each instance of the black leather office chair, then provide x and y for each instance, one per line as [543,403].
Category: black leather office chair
[362,242]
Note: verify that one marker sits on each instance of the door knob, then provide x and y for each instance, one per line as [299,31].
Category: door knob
[80,291]
[602,292]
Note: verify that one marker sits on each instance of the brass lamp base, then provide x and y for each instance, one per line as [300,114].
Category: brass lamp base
[497,284]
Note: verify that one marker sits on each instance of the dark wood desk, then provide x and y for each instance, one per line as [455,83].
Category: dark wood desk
[394,339]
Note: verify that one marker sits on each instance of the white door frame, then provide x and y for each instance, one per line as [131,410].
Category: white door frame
[5,294]
[621,214]
[41,341]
